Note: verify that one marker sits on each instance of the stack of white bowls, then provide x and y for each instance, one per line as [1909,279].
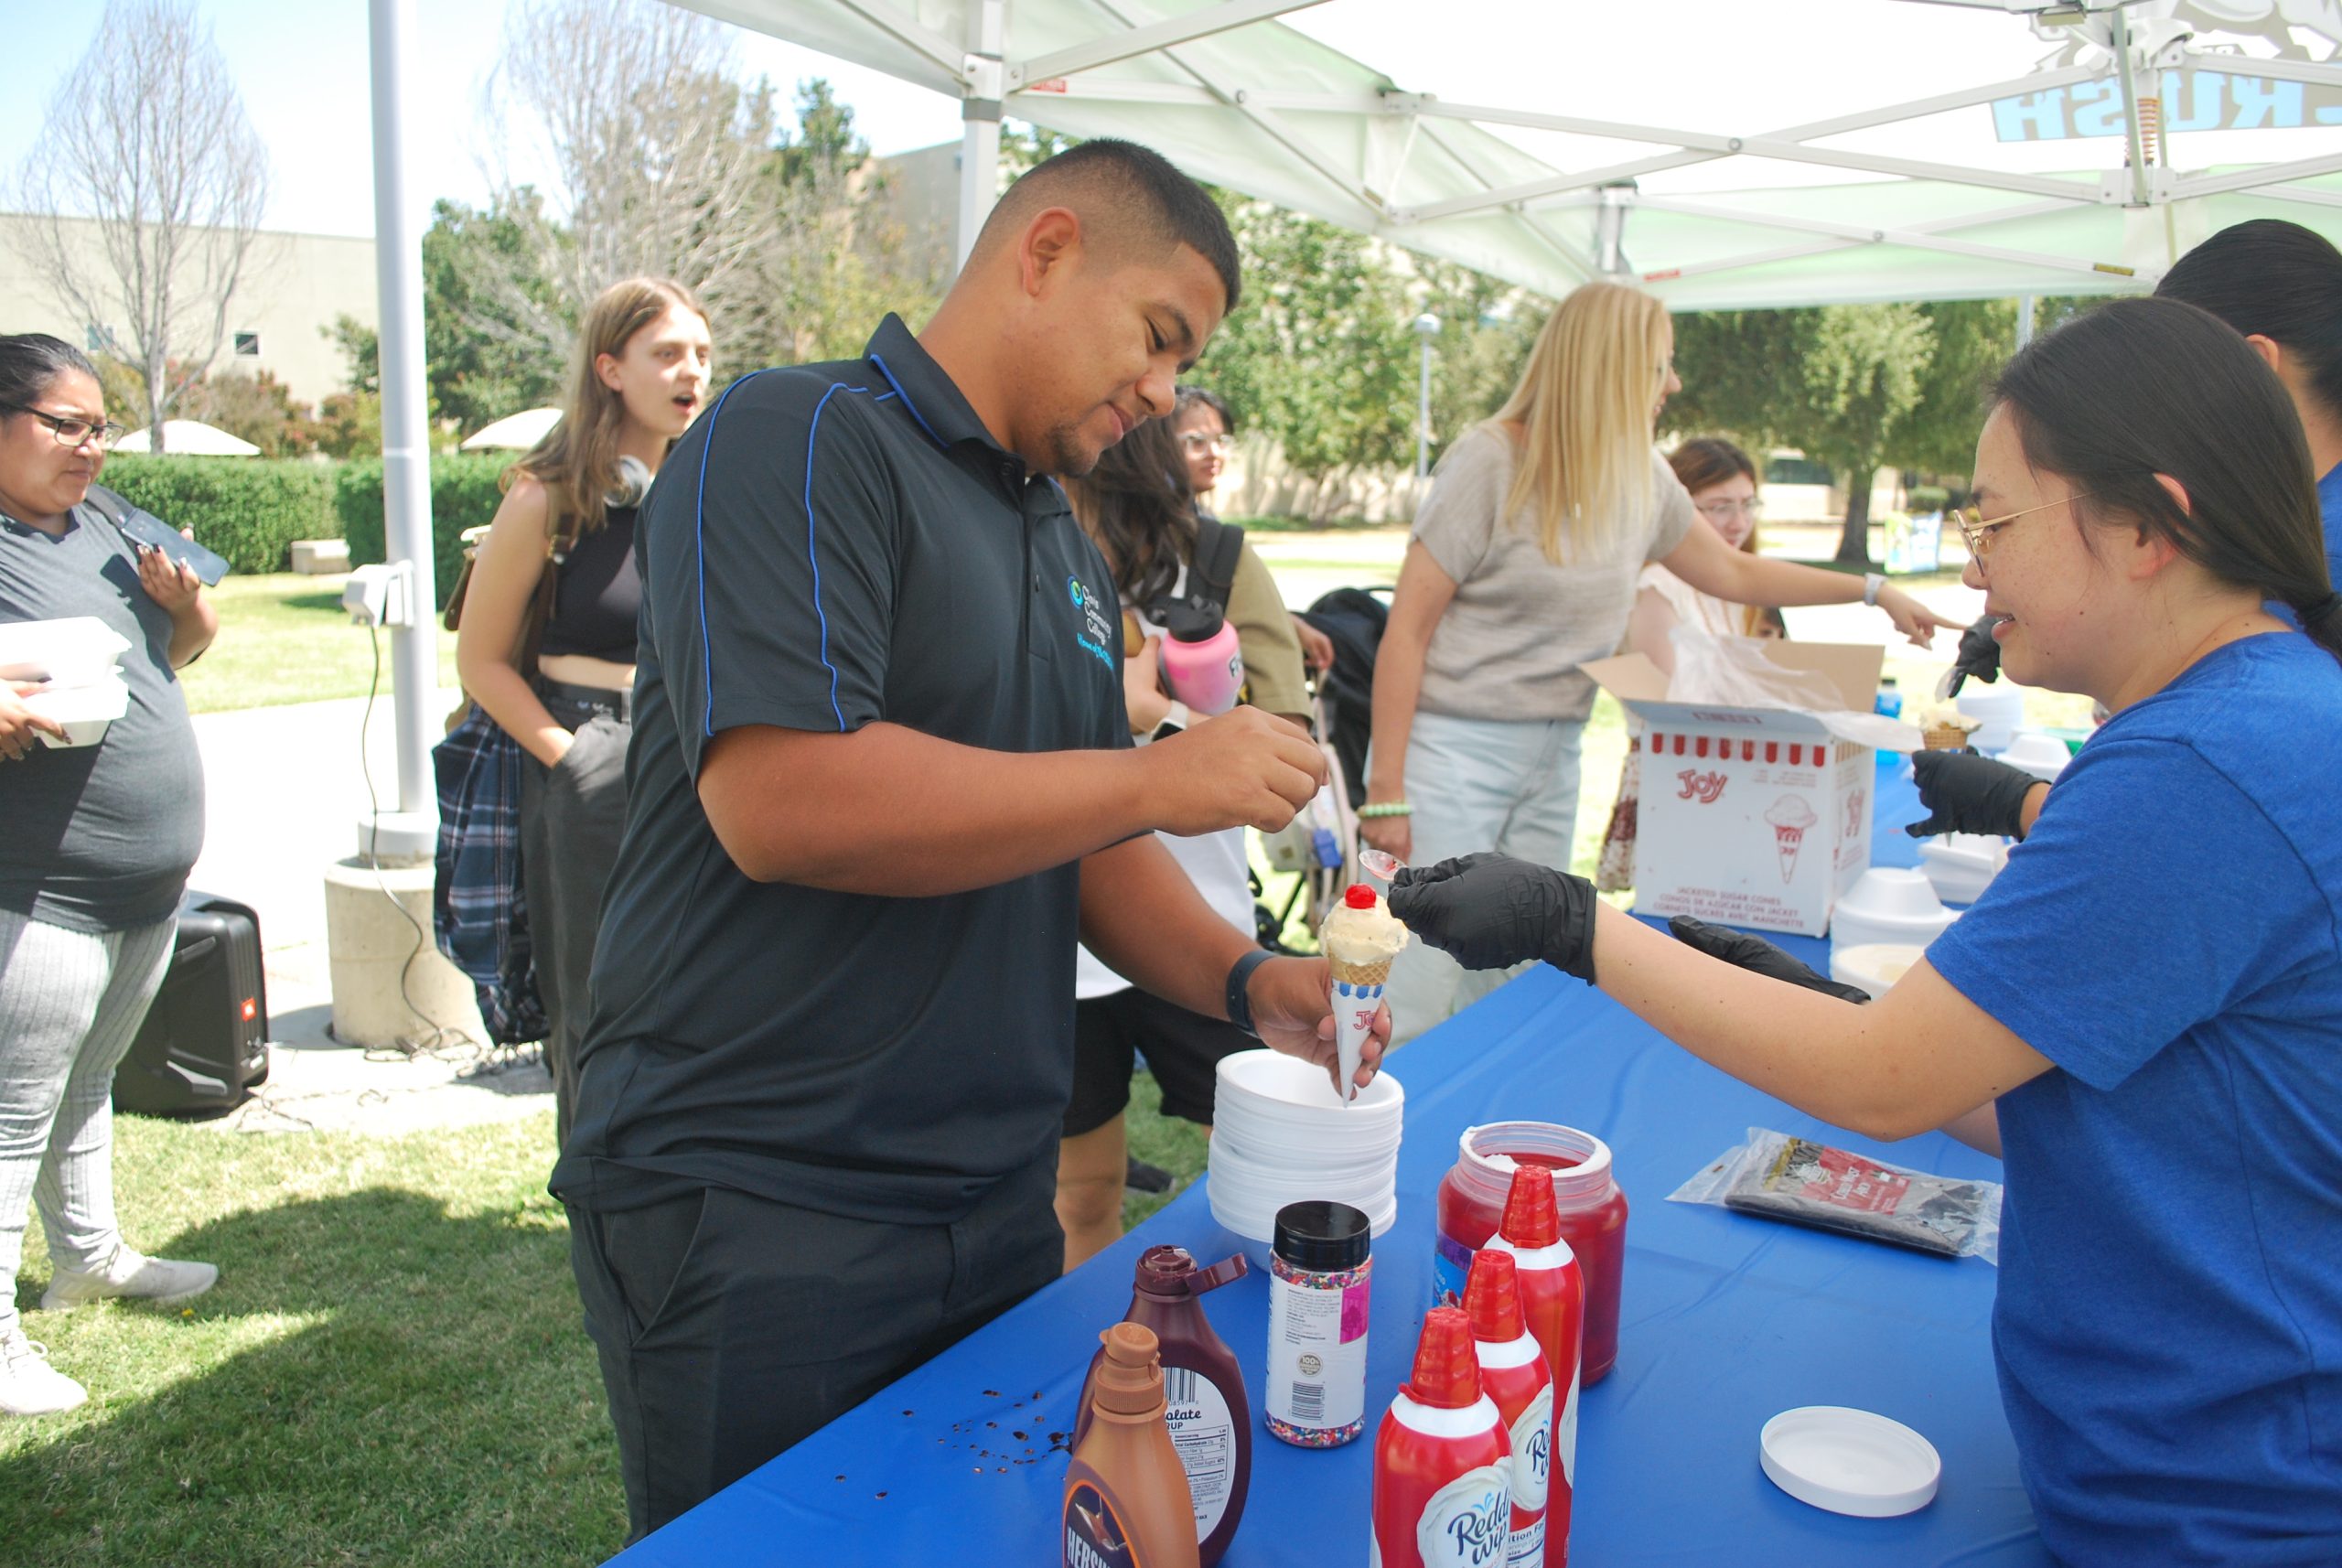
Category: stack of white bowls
[1281,1135]
[1961,866]
[1888,904]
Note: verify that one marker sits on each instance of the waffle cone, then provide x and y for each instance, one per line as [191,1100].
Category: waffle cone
[1362,973]
[1946,738]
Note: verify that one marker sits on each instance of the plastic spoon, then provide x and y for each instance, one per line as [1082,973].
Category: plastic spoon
[1381,864]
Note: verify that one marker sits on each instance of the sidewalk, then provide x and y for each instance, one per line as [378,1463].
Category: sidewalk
[284,796]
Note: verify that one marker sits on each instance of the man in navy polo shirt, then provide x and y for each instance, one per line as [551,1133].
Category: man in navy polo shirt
[880,785]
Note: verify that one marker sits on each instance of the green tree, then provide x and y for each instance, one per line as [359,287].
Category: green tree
[1835,381]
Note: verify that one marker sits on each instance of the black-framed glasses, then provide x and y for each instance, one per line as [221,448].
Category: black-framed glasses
[75,432]
[1981,534]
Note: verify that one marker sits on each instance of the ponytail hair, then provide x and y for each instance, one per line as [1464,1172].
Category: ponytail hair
[2143,387]
[2271,279]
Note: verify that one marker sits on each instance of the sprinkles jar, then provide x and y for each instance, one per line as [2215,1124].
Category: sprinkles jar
[1320,1276]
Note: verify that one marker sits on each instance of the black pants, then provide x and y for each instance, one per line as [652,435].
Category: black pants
[571,820]
[731,1327]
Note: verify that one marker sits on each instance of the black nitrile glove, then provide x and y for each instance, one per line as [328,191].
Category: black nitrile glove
[1965,793]
[1758,956]
[1491,911]
[1979,658]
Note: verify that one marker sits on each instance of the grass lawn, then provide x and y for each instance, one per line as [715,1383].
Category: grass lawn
[285,639]
[389,1371]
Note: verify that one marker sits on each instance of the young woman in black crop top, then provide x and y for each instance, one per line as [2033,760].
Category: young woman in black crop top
[640,377]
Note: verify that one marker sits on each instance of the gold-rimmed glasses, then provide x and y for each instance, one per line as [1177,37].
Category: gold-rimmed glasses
[1979,532]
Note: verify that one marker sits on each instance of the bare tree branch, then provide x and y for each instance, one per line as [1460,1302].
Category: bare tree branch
[146,138]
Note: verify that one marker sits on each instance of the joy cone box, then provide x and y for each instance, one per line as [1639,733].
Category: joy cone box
[1749,816]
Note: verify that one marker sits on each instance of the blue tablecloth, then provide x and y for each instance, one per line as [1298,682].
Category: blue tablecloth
[1726,1320]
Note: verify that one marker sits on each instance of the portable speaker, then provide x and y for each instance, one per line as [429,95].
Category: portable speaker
[204,1046]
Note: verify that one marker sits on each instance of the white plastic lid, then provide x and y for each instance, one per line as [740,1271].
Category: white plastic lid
[1850,1461]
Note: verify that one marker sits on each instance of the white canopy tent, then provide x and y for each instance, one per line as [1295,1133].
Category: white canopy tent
[190,438]
[2041,176]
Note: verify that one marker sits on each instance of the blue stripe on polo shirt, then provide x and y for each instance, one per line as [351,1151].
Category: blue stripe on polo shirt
[907,404]
[820,616]
[699,545]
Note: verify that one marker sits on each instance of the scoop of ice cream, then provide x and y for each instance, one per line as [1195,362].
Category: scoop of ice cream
[1363,932]
[1790,812]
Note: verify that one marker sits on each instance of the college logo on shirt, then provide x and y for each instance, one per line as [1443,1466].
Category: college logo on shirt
[1096,625]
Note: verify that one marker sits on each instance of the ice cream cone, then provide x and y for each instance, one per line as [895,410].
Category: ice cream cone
[1787,841]
[1361,939]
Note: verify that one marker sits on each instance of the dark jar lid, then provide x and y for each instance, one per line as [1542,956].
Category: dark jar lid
[1323,1238]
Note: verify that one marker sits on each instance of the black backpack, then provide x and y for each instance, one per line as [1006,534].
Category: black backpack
[1211,576]
[1353,620]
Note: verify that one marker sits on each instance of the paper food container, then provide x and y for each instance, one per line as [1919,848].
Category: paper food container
[78,651]
[85,711]
[1754,816]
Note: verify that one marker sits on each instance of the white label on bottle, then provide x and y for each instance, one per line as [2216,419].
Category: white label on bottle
[1469,1522]
[1527,1549]
[1533,1454]
[1204,1433]
[1317,1381]
[1565,1435]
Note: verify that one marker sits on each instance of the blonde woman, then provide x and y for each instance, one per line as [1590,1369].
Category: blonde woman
[1523,564]
[640,376]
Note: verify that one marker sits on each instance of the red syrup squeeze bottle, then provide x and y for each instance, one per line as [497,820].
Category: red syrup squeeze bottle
[1125,1502]
[1514,1374]
[1552,1299]
[1205,1409]
[1443,1494]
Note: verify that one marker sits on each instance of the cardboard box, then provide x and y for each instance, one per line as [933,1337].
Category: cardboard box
[1754,817]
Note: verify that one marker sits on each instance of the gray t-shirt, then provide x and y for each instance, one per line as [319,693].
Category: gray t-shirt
[1519,626]
[98,838]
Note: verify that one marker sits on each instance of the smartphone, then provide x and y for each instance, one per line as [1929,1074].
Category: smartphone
[145,528]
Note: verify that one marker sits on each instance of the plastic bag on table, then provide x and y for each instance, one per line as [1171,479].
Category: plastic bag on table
[1736,671]
[1806,1183]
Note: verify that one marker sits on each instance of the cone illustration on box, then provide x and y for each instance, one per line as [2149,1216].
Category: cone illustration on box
[1789,817]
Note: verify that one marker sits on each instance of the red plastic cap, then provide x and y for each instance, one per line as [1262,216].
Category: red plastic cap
[1447,1371]
[1358,895]
[1530,1221]
[1492,1298]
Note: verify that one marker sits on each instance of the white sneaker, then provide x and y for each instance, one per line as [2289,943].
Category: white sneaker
[158,1279]
[28,1385]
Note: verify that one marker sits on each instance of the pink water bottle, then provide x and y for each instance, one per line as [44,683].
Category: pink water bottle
[1201,663]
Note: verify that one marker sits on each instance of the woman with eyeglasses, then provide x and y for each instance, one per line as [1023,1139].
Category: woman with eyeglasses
[1522,566]
[2143,1015]
[1206,428]
[94,854]
[1723,485]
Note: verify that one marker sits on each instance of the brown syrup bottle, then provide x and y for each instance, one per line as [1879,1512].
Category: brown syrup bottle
[1125,1502]
[1209,1415]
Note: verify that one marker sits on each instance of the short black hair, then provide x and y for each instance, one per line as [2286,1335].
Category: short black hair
[1138,184]
[1192,396]
[30,361]
[2269,278]
[2146,386]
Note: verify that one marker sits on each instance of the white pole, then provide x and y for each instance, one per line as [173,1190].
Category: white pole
[406,456]
[986,80]
[2024,320]
[1426,328]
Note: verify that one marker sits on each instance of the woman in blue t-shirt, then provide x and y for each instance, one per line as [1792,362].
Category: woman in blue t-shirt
[2144,1012]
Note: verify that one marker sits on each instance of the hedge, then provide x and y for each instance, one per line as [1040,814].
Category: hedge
[464,493]
[248,508]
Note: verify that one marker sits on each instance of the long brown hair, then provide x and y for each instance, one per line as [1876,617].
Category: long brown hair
[1704,463]
[577,461]
[1138,508]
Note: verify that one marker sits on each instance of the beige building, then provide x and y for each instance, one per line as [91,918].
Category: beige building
[295,287]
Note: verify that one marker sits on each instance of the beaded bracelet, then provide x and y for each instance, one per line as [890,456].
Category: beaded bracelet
[1387,809]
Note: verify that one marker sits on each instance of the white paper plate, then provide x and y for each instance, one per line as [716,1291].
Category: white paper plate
[1850,1461]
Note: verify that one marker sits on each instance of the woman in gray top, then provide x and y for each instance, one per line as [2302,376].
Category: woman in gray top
[98,846]
[1523,565]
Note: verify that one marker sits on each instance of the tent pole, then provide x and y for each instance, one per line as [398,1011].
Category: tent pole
[983,84]
[2141,183]
[406,452]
